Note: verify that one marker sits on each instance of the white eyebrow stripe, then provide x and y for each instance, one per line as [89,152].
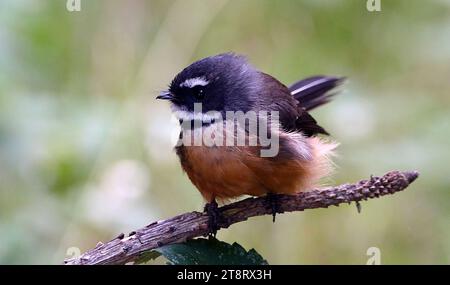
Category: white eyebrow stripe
[197,81]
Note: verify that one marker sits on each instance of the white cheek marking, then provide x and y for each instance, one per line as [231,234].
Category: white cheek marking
[197,81]
[191,116]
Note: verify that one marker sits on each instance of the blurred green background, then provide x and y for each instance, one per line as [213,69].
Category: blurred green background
[86,151]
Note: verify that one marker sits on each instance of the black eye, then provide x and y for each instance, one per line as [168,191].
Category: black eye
[198,92]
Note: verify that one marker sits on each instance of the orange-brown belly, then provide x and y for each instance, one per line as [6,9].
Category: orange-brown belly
[219,172]
[228,172]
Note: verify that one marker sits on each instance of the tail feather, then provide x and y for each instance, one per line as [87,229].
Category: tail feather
[313,91]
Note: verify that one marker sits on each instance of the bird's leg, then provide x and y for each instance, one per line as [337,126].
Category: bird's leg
[212,210]
[272,200]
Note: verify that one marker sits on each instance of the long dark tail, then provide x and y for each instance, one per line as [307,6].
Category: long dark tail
[314,91]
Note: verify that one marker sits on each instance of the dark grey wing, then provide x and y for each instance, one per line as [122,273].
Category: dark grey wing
[293,116]
[314,91]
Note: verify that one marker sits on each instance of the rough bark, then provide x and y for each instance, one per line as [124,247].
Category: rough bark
[124,249]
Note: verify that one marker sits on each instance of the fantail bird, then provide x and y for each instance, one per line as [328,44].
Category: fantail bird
[228,83]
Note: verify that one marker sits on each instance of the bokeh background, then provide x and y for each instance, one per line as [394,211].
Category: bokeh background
[86,150]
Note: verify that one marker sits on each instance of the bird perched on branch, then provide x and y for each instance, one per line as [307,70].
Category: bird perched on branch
[245,133]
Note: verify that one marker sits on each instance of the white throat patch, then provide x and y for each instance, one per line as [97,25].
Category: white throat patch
[192,82]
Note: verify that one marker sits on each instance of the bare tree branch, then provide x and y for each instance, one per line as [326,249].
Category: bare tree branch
[190,225]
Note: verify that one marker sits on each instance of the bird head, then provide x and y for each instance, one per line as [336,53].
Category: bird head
[220,83]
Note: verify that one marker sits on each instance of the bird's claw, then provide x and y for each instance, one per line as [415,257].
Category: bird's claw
[212,209]
[272,200]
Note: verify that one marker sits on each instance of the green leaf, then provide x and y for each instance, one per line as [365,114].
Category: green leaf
[210,252]
[147,256]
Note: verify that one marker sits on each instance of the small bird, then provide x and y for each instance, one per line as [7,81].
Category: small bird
[228,83]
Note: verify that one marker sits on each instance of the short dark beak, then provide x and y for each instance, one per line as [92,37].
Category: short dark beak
[165,95]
